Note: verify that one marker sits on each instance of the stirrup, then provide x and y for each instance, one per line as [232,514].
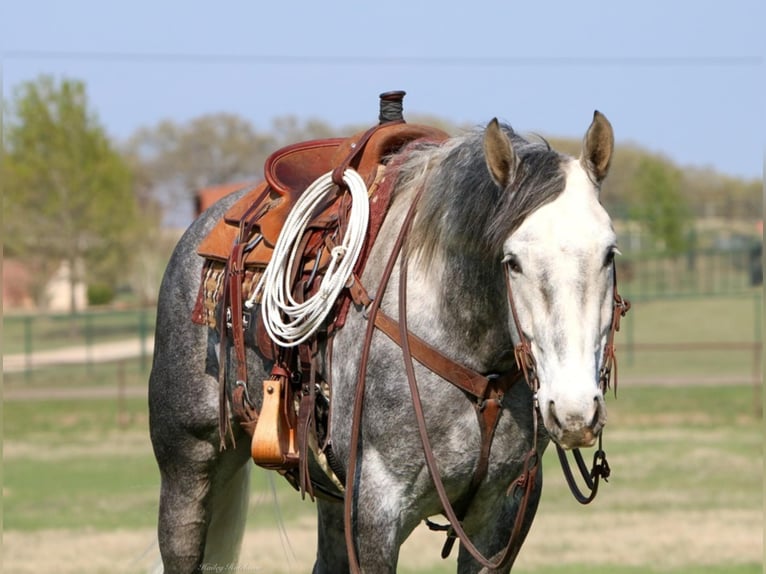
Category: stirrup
[273,444]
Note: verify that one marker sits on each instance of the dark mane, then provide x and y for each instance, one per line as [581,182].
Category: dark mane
[462,207]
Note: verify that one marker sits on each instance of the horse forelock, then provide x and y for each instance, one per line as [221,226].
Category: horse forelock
[462,208]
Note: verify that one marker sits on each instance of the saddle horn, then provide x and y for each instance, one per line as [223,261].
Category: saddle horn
[391,106]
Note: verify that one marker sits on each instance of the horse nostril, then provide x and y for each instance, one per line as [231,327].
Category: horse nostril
[599,416]
[596,415]
[552,413]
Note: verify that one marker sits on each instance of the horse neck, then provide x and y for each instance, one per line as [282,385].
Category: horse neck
[472,310]
[457,302]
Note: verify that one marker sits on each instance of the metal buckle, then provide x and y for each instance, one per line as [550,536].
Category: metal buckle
[245,394]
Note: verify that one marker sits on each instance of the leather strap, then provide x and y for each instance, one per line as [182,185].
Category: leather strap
[356,150]
[620,307]
[236,272]
[306,422]
[599,470]
[527,476]
[356,421]
[231,318]
[469,382]
[462,377]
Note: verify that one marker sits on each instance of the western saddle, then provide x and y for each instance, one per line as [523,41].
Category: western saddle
[289,433]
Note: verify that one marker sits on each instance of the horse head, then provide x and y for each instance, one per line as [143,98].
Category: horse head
[560,266]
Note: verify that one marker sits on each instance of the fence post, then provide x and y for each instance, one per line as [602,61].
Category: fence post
[88,326]
[757,379]
[28,348]
[630,338]
[142,333]
[122,411]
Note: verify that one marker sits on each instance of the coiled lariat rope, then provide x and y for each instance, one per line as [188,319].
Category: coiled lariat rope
[287,321]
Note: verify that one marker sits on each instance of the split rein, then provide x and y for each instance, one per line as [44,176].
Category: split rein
[488,390]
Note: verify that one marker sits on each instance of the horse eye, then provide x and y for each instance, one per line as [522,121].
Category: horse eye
[513,263]
[609,259]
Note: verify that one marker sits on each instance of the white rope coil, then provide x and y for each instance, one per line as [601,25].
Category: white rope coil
[288,322]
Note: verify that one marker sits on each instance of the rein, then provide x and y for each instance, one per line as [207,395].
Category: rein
[488,392]
[526,480]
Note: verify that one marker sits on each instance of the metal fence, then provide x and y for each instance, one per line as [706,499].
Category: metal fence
[54,347]
[105,345]
[696,272]
[693,340]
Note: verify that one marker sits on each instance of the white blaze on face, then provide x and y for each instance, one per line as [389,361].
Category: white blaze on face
[561,276]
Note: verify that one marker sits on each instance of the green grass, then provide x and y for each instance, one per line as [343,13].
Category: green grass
[102,493]
[86,465]
[132,372]
[690,407]
[617,569]
[66,465]
[79,464]
[691,320]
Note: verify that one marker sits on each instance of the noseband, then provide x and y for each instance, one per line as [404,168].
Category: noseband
[486,391]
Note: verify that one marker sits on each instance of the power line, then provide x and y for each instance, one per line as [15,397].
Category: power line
[420,61]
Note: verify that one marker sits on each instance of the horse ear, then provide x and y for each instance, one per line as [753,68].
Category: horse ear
[498,153]
[598,147]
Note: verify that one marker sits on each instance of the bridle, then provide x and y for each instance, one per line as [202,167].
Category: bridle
[525,360]
[486,391]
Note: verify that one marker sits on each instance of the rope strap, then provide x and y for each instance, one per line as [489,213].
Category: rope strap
[287,321]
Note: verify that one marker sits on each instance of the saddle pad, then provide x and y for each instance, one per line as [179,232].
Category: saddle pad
[206,311]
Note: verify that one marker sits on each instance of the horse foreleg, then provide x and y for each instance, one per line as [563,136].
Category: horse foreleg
[378,524]
[331,545]
[492,526]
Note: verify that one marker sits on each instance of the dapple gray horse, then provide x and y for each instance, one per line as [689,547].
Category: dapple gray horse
[494,207]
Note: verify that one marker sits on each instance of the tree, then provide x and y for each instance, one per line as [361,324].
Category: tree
[658,204]
[68,195]
[288,130]
[176,160]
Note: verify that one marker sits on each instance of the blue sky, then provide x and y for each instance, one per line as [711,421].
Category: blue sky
[680,77]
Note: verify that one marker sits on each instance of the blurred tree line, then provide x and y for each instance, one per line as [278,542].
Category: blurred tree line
[73,195]
[67,191]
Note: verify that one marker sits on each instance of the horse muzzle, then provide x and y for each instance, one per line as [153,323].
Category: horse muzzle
[574,429]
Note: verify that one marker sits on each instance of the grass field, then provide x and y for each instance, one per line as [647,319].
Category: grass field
[711,321]
[686,494]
